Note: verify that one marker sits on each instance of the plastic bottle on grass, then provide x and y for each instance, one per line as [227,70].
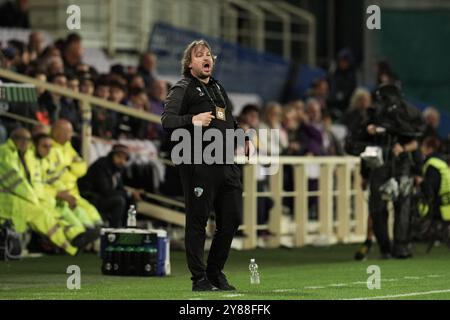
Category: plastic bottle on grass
[254,274]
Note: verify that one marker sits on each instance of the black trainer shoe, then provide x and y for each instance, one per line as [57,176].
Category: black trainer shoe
[85,238]
[221,282]
[203,285]
[402,252]
[385,256]
[363,251]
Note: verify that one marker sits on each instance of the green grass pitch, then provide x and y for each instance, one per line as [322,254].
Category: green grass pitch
[306,273]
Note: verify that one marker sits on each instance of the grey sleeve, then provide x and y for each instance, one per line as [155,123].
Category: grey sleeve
[171,118]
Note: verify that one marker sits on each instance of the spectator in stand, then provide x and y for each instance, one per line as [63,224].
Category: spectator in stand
[147,68]
[60,43]
[118,92]
[70,109]
[35,44]
[103,186]
[87,85]
[72,53]
[271,145]
[104,121]
[356,114]
[131,70]
[118,70]
[299,106]
[314,119]
[48,53]
[22,56]
[432,119]
[8,58]
[291,125]
[300,131]
[73,83]
[272,120]
[321,120]
[140,129]
[320,91]
[50,104]
[332,145]
[249,117]
[342,83]
[314,113]
[84,68]
[54,65]
[14,13]
[136,82]
[158,93]
[102,90]
[42,114]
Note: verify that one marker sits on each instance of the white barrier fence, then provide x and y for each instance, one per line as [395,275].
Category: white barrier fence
[341,203]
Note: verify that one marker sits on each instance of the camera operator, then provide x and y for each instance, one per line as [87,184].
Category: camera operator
[394,128]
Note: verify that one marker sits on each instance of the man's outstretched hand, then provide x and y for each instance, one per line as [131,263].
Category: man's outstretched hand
[203,119]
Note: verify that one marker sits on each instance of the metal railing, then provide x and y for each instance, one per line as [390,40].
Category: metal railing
[126,25]
[342,208]
[86,104]
[298,26]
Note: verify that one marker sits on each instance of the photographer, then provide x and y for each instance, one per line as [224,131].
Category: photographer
[394,128]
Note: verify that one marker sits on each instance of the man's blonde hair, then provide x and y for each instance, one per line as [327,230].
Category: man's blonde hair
[187,55]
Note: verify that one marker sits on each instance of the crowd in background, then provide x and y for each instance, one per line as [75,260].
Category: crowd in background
[308,126]
[333,109]
[316,125]
[62,64]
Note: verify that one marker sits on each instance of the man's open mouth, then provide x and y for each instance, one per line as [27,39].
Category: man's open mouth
[206,67]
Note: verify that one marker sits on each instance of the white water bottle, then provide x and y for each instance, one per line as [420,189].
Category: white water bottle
[131,221]
[254,274]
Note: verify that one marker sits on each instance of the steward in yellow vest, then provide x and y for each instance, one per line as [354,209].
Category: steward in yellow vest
[38,164]
[436,182]
[63,201]
[18,200]
[65,168]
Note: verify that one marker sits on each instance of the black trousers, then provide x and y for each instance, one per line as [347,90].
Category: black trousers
[112,208]
[378,208]
[210,188]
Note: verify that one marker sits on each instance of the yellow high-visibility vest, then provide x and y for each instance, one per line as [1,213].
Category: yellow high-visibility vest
[38,170]
[15,189]
[65,167]
[444,188]
[13,178]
